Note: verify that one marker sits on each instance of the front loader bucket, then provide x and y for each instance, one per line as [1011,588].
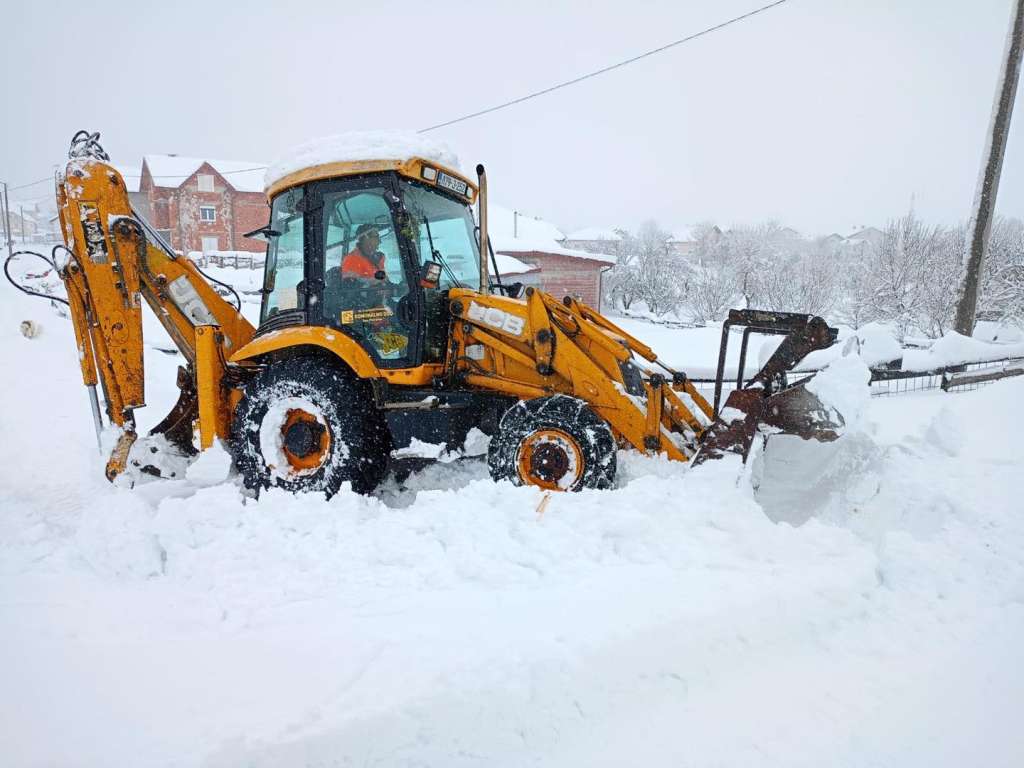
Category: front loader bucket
[748,413]
[767,404]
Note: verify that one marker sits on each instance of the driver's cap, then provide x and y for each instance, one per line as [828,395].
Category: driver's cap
[365,229]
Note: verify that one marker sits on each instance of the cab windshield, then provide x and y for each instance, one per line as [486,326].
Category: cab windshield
[443,230]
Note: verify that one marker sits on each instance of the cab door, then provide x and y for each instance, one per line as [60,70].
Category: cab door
[362,272]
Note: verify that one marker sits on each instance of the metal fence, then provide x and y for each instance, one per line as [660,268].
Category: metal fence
[885,382]
[956,378]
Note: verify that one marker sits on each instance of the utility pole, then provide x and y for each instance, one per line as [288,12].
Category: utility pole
[7,220]
[992,165]
[21,216]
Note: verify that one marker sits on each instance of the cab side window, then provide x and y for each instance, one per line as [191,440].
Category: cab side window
[284,271]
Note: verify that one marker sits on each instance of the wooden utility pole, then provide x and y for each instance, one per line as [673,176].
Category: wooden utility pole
[992,165]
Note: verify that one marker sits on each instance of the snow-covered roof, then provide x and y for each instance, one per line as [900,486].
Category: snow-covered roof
[594,233]
[360,145]
[509,265]
[132,175]
[683,235]
[511,233]
[173,170]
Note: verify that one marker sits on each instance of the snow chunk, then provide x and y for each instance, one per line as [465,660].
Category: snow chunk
[420,449]
[361,145]
[212,466]
[477,442]
[878,345]
[843,384]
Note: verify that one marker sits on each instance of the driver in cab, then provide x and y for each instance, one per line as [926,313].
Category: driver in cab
[365,260]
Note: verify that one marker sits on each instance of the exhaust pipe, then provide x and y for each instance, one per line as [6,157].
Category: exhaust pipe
[485,278]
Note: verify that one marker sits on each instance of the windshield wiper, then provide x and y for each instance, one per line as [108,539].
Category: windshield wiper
[436,254]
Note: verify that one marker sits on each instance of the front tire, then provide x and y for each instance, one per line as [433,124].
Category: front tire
[557,443]
[306,425]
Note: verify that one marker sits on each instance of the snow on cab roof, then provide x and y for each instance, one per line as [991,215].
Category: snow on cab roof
[174,170]
[360,145]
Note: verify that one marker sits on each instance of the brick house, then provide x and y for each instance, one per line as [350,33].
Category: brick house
[550,266]
[202,205]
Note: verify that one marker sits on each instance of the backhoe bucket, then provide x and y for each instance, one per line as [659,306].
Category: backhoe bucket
[767,405]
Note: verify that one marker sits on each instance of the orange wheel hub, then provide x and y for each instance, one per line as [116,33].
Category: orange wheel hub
[305,442]
[550,459]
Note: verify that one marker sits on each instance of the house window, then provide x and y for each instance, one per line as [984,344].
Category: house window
[207,213]
[209,244]
[205,182]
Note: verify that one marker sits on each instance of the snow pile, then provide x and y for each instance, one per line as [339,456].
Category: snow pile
[211,468]
[449,620]
[361,145]
[954,348]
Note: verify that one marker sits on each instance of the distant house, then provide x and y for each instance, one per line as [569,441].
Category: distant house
[539,245]
[594,239]
[871,236]
[200,204]
[28,225]
[683,241]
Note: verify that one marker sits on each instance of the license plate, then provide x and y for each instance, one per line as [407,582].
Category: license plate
[455,185]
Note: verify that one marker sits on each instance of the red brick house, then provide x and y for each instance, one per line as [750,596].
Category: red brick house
[553,268]
[204,205]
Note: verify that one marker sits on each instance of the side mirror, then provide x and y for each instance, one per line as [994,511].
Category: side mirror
[380,274]
[264,234]
[430,274]
[512,290]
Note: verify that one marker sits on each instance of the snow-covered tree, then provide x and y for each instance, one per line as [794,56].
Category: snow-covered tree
[799,280]
[899,267]
[1002,284]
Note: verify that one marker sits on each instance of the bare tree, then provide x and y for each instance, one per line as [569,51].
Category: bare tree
[799,281]
[711,281]
[1002,285]
[898,268]
[856,305]
[622,285]
[937,285]
[750,249]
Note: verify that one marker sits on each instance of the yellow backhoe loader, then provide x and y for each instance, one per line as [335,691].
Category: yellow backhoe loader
[382,322]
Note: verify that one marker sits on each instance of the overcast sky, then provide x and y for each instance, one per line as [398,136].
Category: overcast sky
[824,114]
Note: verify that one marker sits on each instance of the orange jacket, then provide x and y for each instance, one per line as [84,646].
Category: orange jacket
[356,264]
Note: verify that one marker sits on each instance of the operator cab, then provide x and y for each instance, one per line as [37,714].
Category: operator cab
[371,255]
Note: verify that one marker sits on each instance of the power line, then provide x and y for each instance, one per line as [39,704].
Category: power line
[30,184]
[139,176]
[185,176]
[609,68]
[521,99]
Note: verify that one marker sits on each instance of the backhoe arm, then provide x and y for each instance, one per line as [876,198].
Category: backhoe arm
[114,261]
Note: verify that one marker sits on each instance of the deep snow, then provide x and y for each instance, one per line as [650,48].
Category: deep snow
[456,621]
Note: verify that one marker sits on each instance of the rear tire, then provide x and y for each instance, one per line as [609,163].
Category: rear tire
[306,425]
[557,443]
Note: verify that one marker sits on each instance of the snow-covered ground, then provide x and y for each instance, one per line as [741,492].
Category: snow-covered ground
[458,622]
